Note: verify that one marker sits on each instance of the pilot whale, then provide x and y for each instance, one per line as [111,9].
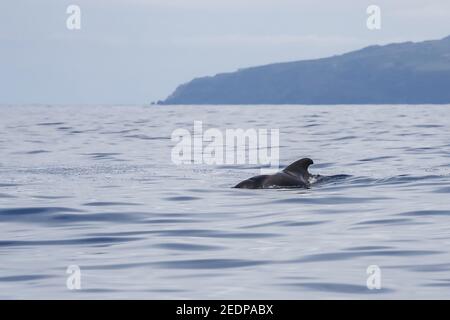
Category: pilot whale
[295,175]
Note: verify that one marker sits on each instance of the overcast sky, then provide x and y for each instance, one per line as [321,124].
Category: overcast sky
[138,51]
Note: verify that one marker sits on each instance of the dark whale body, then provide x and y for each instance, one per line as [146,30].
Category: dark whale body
[295,175]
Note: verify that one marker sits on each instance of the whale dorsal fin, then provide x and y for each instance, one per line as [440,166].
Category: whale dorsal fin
[299,168]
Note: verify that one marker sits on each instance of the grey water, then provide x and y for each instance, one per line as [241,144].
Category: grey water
[94,186]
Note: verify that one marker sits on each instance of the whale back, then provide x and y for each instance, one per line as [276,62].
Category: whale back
[300,168]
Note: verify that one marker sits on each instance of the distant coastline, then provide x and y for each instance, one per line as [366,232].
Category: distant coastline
[399,73]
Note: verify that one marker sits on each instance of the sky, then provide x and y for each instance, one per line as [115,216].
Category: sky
[139,51]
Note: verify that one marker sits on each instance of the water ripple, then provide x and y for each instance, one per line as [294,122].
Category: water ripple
[80,241]
[425,213]
[209,264]
[371,253]
[338,288]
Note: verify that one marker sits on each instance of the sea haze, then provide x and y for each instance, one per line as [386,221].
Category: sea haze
[96,187]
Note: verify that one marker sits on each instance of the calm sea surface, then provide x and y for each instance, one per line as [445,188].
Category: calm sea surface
[96,187]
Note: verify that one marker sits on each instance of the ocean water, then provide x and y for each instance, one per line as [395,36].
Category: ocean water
[94,186]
